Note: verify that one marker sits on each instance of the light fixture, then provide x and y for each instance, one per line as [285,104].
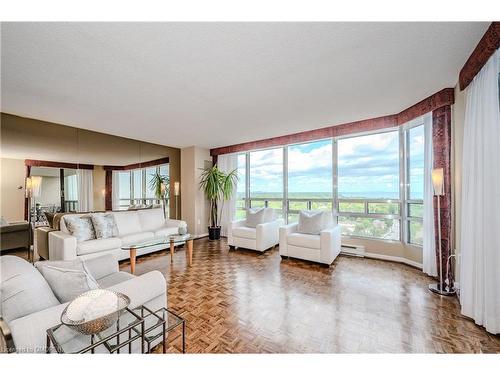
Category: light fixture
[176,193]
[438,181]
[438,184]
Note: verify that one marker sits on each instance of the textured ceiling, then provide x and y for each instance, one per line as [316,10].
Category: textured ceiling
[216,84]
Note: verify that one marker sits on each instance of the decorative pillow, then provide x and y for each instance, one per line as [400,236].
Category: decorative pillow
[255,216]
[81,227]
[104,225]
[67,279]
[311,222]
[50,218]
[3,221]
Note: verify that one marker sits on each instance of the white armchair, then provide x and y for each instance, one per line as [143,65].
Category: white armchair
[322,248]
[260,238]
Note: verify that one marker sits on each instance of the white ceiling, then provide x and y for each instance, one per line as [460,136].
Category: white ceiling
[216,84]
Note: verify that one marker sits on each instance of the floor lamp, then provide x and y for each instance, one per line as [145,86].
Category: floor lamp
[33,185]
[176,194]
[438,184]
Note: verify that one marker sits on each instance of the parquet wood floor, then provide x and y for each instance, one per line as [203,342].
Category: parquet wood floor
[241,301]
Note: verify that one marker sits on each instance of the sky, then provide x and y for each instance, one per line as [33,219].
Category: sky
[368,166]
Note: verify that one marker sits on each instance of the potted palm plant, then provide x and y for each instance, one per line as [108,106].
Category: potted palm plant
[218,187]
[161,186]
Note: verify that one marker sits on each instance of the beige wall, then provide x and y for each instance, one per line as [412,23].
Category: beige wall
[99,182]
[23,138]
[11,197]
[194,204]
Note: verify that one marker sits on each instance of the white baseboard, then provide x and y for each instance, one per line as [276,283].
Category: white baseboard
[394,259]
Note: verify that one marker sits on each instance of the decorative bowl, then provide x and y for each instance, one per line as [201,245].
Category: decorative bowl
[94,311]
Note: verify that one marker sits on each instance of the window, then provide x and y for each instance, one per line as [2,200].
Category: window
[372,182]
[368,186]
[266,179]
[415,184]
[310,178]
[134,186]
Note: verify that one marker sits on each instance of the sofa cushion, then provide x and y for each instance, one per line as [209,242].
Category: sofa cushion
[94,246]
[104,225]
[137,238]
[245,232]
[127,222]
[311,241]
[102,265]
[67,279]
[151,220]
[114,278]
[164,232]
[80,227]
[23,290]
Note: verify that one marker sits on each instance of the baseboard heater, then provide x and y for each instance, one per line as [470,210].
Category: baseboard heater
[353,250]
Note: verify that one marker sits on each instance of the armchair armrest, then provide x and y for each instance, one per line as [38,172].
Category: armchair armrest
[285,230]
[172,223]
[330,240]
[62,246]
[234,224]
[268,234]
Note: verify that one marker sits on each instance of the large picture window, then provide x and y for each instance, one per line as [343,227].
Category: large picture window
[266,179]
[310,177]
[368,186]
[372,182]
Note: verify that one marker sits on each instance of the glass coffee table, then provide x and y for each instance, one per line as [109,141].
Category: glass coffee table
[136,331]
[171,240]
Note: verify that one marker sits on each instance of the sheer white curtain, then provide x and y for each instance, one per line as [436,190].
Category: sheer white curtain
[85,190]
[429,244]
[115,191]
[480,238]
[226,164]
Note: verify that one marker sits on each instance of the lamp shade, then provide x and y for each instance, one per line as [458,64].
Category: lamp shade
[33,186]
[176,188]
[438,181]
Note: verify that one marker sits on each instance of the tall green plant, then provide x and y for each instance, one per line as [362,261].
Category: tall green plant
[155,184]
[218,187]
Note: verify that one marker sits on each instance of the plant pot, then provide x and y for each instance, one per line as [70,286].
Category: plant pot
[214,233]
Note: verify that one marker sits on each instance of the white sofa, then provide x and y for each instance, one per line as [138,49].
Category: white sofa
[133,227]
[29,307]
[260,238]
[322,248]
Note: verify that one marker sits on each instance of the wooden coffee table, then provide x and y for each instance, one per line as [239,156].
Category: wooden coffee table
[171,240]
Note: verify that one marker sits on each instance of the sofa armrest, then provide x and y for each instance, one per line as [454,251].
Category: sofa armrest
[285,230]
[330,244]
[102,266]
[172,223]
[14,227]
[143,288]
[234,224]
[62,246]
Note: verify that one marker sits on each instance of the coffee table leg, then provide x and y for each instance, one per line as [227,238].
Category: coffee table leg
[133,253]
[190,252]
[172,248]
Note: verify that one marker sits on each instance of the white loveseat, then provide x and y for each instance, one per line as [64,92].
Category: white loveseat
[322,248]
[29,306]
[260,238]
[133,227]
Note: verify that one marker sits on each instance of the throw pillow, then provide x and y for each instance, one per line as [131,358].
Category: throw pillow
[310,222]
[3,221]
[50,218]
[255,216]
[67,279]
[104,225]
[81,227]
